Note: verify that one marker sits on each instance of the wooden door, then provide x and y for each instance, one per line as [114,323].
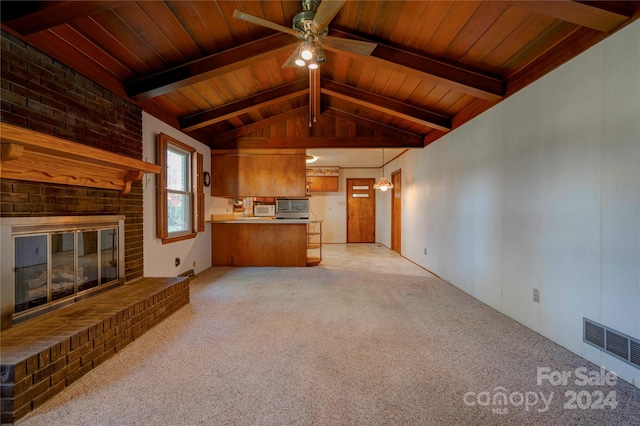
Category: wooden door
[361,211]
[396,211]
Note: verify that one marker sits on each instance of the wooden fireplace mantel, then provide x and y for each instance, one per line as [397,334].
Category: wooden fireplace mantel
[34,156]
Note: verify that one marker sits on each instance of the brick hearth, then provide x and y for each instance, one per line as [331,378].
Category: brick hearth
[43,356]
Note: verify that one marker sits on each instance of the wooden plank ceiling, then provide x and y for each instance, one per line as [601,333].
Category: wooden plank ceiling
[437,64]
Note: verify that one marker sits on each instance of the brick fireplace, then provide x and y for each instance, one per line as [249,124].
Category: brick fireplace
[42,355]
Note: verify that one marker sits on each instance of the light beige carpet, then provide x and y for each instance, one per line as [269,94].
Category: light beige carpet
[303,346]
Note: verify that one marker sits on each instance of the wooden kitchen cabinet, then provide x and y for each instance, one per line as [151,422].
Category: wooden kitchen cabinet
[258,173]
[322,183]
[258,243]
[266,242]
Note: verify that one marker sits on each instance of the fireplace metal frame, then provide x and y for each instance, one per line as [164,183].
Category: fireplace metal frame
[20,226]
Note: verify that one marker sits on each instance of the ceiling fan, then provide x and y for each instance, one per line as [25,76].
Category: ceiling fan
[311,25]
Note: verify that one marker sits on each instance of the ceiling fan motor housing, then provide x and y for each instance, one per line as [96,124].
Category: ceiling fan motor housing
[302,20]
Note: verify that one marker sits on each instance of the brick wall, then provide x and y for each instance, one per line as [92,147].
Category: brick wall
[42,94]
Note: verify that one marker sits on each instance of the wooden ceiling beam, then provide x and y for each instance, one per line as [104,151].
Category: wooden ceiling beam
[378,127]
[575,43]
[385,105]
[210,66]
[29,17]
[300,87]
[236,133]
[585,14]
[333,142]
[400,138]
[244,106]
[317,142]
[462,80]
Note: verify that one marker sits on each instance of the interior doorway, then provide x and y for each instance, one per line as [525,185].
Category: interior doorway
[396,211]
[361,211]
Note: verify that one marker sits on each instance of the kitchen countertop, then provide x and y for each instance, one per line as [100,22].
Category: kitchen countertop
[264,220]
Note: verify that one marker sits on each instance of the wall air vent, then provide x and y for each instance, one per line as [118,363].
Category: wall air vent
[635,353]
[619,345]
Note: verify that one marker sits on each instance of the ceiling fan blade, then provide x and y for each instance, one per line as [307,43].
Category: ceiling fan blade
[291,61]
[238,14]
[325,13]
[354,46]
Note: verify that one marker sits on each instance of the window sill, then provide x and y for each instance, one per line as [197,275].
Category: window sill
[175,239]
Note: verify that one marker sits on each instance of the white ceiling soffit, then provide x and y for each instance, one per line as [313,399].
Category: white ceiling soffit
[353,157]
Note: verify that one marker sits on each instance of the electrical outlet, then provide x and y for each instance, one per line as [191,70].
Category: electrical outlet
[425,251]
[536,295]
[177,261]
[194,263]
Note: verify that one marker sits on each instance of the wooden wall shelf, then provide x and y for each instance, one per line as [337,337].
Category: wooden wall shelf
[33,156]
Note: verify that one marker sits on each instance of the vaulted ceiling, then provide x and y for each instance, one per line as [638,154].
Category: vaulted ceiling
[436,64]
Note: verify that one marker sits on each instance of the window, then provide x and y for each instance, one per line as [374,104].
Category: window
[175,192]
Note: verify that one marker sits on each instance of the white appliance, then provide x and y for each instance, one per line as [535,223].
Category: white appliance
[264,210]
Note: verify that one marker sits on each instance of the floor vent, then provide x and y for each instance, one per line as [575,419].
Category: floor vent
[619,345]
[190,273]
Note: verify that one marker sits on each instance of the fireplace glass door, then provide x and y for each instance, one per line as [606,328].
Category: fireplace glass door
[108,255]
[62,265]
[49,262]
[31,260]
[55,266]
[87,260]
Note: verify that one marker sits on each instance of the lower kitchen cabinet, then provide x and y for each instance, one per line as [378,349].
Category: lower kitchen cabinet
[258,242]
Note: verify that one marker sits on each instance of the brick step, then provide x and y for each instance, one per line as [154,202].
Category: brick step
[42,356]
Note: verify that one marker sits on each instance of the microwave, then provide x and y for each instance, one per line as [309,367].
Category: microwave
[264,210]
[292,208]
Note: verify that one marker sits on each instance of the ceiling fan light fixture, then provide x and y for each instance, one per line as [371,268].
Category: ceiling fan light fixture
[313,65]
[307,50]
[321,58]
[300,62]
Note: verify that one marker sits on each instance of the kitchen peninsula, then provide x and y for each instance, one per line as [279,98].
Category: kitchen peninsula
[259,241]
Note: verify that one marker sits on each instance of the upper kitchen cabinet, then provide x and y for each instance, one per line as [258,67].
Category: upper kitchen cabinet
[322,183]
[323,179]
[258,173]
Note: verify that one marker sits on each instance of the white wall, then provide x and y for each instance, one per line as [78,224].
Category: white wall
[331,207]
[159,259]
[541,191]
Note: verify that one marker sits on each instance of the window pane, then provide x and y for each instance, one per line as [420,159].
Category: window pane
[179,212]
[31,272]
[87,260]
[109,249]
[62,265]
[177,171]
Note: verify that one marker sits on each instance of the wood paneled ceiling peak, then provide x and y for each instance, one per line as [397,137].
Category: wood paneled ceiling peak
[437,64]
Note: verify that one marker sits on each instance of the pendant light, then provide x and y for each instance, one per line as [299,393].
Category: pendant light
[383,183]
